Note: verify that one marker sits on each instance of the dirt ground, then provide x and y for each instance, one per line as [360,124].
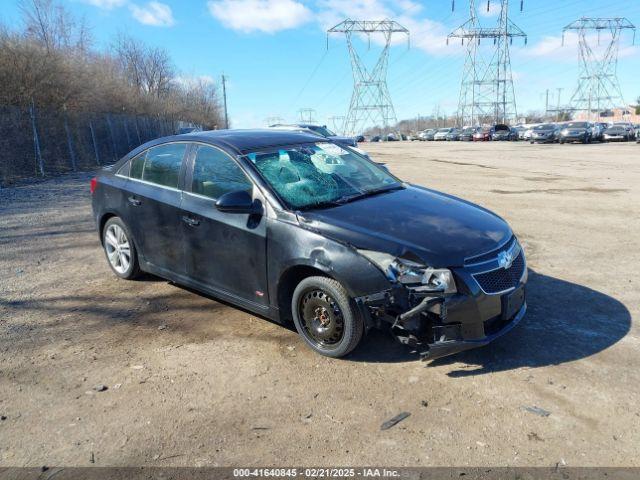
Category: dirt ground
[191,381]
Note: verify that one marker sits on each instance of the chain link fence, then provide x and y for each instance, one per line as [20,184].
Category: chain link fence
[39,143]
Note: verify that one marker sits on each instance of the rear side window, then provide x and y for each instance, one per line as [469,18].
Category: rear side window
[215,173]
[159,165]
[137,164]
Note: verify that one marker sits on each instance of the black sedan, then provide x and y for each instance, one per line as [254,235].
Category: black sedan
[617,133]
[545,133]
[308,231]
[503,132]
[576,132]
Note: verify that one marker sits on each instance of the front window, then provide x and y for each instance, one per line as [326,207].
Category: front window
[321,174]
[545,127]
[215,173]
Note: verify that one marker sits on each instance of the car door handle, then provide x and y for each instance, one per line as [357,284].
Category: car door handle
[134,201]
[192,222]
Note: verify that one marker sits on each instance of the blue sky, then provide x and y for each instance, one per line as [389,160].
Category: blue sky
[275,54]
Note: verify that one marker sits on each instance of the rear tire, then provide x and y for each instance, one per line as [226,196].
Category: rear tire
[119,249]
[326,317]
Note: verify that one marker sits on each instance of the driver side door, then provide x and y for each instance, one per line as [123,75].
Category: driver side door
[224,252]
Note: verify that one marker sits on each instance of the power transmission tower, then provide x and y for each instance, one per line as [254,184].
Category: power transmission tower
[486,90]
[598,87]
[307,115]
[273,120]
[370,102]
[337,122]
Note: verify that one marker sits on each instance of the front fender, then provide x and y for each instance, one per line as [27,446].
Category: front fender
[290,246]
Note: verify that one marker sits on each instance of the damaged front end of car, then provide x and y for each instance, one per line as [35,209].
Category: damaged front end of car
[439,312]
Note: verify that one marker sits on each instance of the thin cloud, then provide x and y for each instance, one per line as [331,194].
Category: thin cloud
[267,16]
[153,13]
[106,4]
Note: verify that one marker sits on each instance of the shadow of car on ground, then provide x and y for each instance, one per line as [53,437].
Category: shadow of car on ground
[564,322]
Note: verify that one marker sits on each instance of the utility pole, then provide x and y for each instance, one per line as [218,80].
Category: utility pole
[486,90]
[224,96]
[307,115]
[370,101]
[546,106]
[558,108]
[598,79]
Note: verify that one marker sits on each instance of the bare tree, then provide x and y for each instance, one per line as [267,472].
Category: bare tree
[51,63]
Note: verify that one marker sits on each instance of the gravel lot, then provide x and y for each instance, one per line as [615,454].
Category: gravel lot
[191,381]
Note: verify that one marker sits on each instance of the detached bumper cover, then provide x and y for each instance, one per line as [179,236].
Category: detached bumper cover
[442,349]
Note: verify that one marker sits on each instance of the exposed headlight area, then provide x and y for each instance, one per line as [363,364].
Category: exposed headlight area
[410,273]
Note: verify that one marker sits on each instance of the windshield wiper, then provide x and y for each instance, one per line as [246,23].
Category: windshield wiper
[370,193]
[325,204]
[350,198]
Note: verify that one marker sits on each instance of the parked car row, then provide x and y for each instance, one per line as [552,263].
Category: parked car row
[567,132]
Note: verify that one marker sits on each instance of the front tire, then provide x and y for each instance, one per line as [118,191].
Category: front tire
[326,317]
[119,249]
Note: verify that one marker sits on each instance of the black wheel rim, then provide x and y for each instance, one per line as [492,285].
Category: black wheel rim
[321,318]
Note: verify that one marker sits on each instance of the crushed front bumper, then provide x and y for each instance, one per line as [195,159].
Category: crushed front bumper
[442,349]
[437,326]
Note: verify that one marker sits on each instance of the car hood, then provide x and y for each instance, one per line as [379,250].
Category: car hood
[438,228]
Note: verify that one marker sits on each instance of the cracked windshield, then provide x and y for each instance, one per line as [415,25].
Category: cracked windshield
[321,175]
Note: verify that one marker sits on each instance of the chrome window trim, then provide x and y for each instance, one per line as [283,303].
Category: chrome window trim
[145,182]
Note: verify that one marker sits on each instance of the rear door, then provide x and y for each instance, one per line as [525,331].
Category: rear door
[154,200]
[223,251]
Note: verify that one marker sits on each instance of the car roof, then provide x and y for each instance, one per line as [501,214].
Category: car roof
[244,141]
[299,125]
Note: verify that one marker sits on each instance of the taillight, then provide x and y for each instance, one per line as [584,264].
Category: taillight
[93,184]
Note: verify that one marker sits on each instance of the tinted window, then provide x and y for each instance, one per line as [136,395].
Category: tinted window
[215,173]
[162,164]
[137,165]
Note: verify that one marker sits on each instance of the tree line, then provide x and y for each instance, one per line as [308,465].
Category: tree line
[49,61]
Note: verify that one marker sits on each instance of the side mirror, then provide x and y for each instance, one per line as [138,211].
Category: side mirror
[238,202]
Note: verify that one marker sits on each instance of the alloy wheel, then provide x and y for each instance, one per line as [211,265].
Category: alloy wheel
[118,248]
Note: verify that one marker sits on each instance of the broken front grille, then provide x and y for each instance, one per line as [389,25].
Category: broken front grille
[501,279]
